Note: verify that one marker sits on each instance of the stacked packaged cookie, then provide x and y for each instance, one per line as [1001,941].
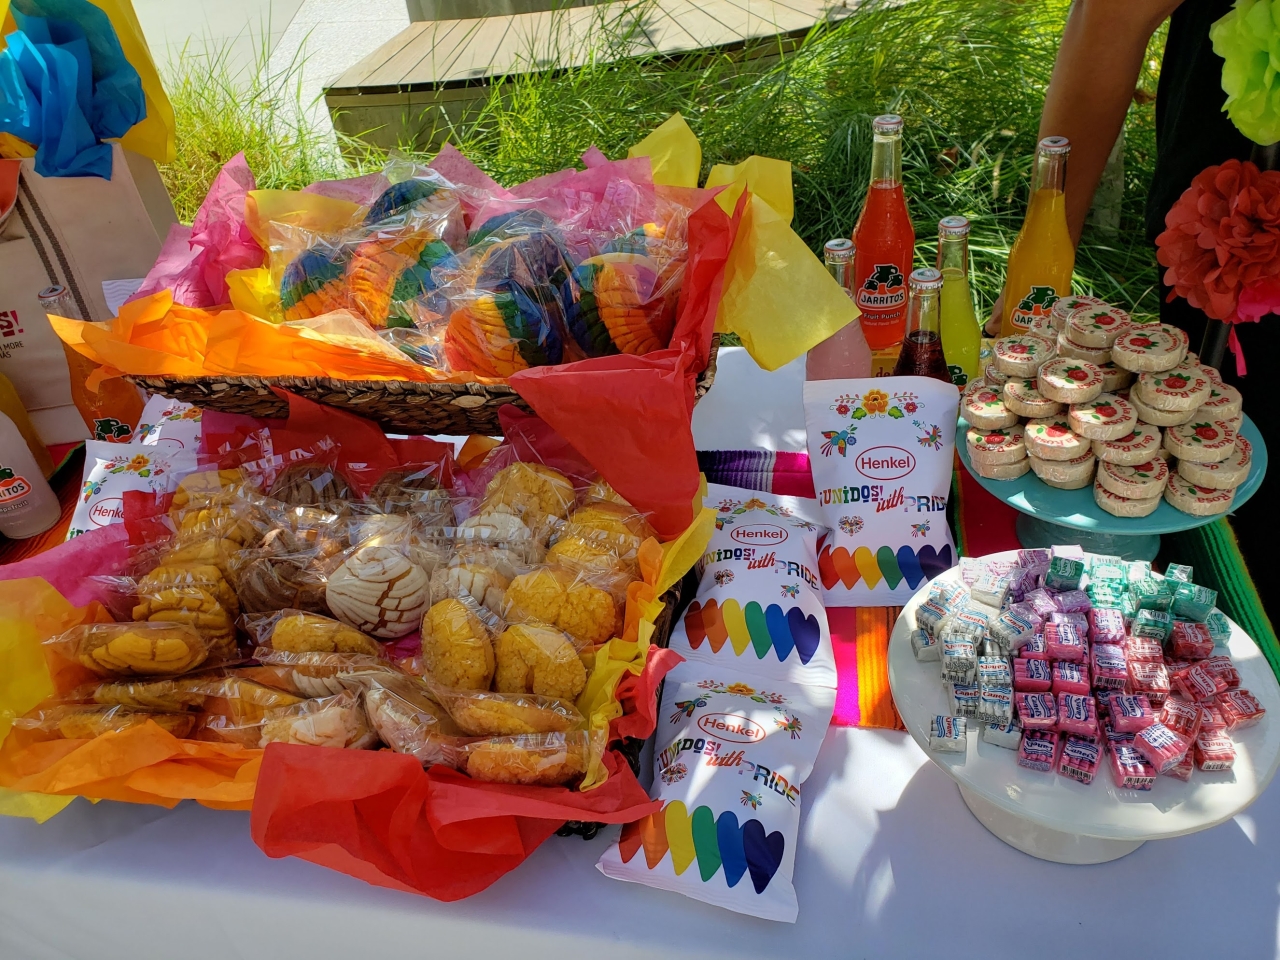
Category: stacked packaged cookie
[1075,660]
[1089,397]
[288,592]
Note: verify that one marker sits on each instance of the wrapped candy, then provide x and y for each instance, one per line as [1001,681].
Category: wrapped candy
[1110,668]
[1130,770]
[1143,648]
[1152,624]
[1042,602]
[1079,759]
[1037,711]
[959,660]
[995,705]
[1032,676]
[1193,602]
[1064,573]
[1219,627]
[1211,719]
[1190,641]
[1040,750]
[1015,625]
[1130,712]
[1154,594]
[1239,709]
[1106,626]
[1183,769]
[966,699]
[1214,751]
[1179,572]
[1224,670]
[1161,747]
[1073,601]
[1151,679]
[994,672]
[925,646]
[1006,735]
[1197,684]
[1181,716]
[1069,677]
[1063,641]
[1077,714]
[948,735]
[991,588]
[928,615]
[1034,649]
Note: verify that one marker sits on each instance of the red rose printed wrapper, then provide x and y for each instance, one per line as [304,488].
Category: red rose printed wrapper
[1110,667]
[1225,474]
[1224,401]
[985,408]
[1214,751]
[1078,714]
[1138,446]
[1070,350]
[1139,481]
[1039,750]
[1130,712]
[1224,670]
[1239,709]
[1022,397]
[1105,417]
[1195,500]
[1197,684]
[1149,347]
[1151,679]
[1097,326]
[1070,381]
[1182,716]
[1190,641]
[1051,438]
[1144,648]
[1022,355]
[1064,307]
[1037,711]
[1079,759]
[1162,747]
[1032,676]
[1069,677]
[1201,441]
[1000,445]
[1185,387]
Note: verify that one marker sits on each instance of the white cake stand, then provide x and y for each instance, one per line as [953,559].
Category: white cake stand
[1051,817]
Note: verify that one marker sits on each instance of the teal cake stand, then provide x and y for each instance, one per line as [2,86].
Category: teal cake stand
[1048,516]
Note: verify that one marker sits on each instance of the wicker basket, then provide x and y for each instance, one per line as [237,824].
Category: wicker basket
[399,406]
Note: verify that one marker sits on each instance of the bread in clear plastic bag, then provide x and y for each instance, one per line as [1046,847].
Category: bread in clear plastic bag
[628,304]
[288,566]
[533,760]
[533,658]
[209,487]
[298,631]
[86,722]
[314,674]
[134,649]
[567,600]
[457,645]
[601,490]
[378,590]
[464,576]
[483,714]
[422,537]
[316,482]
[195,604]
[336,721]
[162,696]
[533,492]
[235,696]
[409,720]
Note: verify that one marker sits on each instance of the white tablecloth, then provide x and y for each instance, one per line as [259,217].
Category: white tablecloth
[891,864]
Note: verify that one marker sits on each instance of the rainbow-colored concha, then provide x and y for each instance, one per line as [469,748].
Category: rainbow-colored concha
[314,282]
[623,306]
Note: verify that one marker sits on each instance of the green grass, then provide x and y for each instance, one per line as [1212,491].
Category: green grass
[967,75]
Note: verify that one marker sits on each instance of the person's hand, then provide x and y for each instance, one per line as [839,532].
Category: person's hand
[992,326]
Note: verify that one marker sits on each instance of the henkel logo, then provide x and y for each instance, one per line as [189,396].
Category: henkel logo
[726,727]
[763,533]
[885,463]
[106,512]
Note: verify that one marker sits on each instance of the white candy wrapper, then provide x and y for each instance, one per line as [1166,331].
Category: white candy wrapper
[728,764]
[881,452]
[172,428]
[111,469]
[758,613]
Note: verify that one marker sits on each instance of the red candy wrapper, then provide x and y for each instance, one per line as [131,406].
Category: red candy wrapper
[1130,712]
[1190,641]
[1130,769]
[1197,684]
[1145,649]
[1064,641]
[1077,715]
[1183,769]
[1224,670]
[1070,677]
[1181,716]
[1038,711]
[1110,667]
[1240,709]
[1214,751]
[1106,625]
[1031,676]
[1211,719]
[1161,747]
[1151,679]
[1034,649]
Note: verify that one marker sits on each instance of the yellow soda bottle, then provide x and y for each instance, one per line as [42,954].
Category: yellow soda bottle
[1043,256]
[961,335]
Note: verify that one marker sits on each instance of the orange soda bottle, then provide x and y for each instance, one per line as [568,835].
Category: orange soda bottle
[1043,256]
[885,241]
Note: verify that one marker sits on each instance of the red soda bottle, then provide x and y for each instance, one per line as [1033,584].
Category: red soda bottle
[921,354]
[885,241]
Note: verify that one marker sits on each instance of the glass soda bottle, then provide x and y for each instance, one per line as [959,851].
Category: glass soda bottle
[28,505]
[1043,256]
[961,335]
[921,354]
[885,241]
[11,406]
[845,353]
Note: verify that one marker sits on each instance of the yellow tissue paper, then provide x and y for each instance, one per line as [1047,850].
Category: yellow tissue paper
[254,292]
[766,178]
[673,151]
[308,211]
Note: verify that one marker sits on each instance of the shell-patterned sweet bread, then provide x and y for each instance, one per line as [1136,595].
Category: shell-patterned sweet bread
[140,649]
[299,632]
[498,715]
[624,308]
[379,591]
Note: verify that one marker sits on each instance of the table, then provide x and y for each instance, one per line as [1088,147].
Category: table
[881,828]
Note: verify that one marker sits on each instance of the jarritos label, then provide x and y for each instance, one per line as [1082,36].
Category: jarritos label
[1036,303]
[884,289]
[14,488]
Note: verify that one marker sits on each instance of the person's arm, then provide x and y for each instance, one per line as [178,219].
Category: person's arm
[1093,81]
[1094,76]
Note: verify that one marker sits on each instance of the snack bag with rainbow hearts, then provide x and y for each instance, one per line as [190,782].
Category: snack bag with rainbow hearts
[729,763]
[758,613]
[881,452]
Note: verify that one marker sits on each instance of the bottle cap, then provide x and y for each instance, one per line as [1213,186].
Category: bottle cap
[839,250]
[953,227]
[926,278]
[1055,146]
[52,292]
[888,124]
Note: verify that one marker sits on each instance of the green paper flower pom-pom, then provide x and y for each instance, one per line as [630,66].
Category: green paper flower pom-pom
[1248,40]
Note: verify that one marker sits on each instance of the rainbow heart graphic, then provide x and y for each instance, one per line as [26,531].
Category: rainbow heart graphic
[715,842]
[714,623]
[837,565]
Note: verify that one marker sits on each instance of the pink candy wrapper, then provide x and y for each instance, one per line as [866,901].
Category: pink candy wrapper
[1042,602]
[1080,758]
[1130,769]
[1106,626]
[1162,748]
[1063,641]
[1151,679]
[1031,676]
[1197,684]
[1038,711]
[1181,716]
[1190,641]
[1144,649]
[1039,750]
[1130,712]
[1034,649]
[1214,751]
[1110,667]
[1077,714]
[1183,769]
[1240,709]
[1211,719]
[1070,677]
[1224,670]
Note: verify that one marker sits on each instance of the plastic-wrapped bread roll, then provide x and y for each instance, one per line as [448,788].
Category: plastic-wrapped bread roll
[1197,501]
[378,591]
[1105,417]
[1051,438]
[1070,381]
[1066,474]
[1119,506]
[1225,474]
[1139,481]
[1201,441]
